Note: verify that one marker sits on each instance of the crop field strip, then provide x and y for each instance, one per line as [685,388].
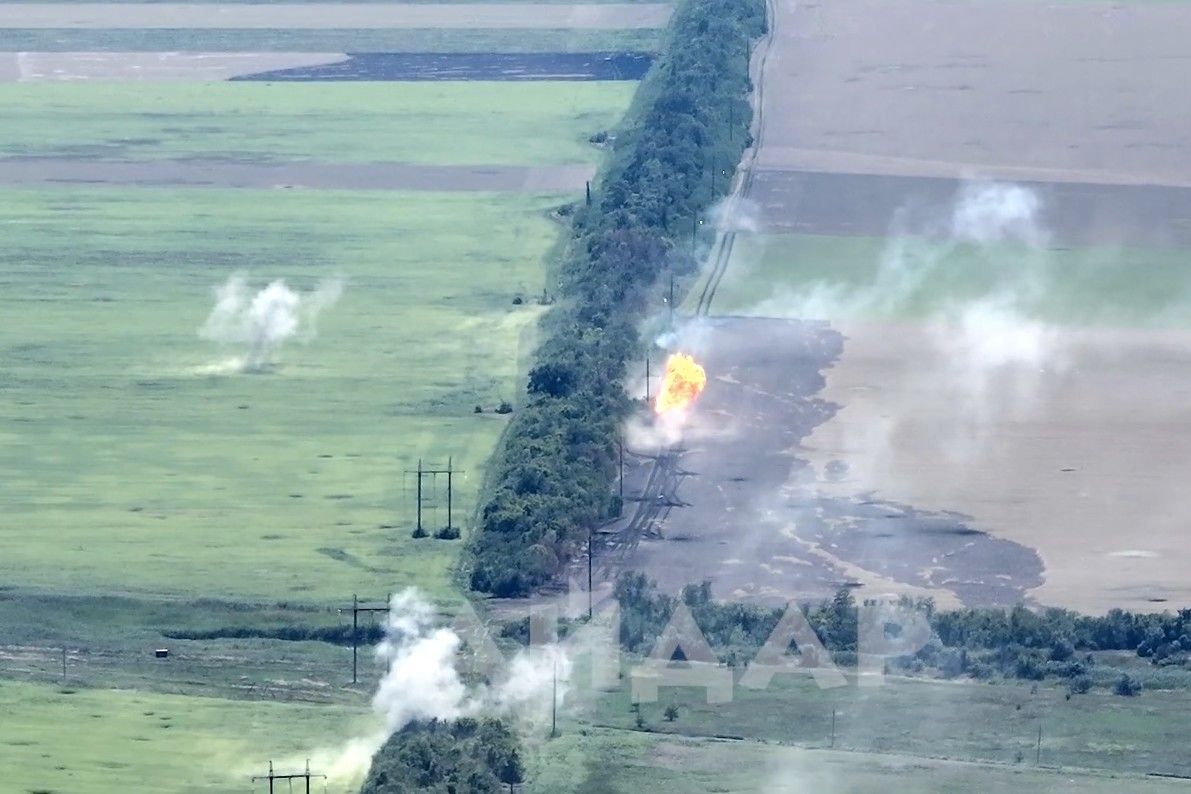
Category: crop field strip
[318,67]
[77,172]
[420,40]
[361,16]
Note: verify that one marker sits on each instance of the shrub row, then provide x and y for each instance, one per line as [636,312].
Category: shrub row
[978,643]
[551,480]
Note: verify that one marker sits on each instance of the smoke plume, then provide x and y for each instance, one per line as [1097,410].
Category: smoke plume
[422,683]
[261,323]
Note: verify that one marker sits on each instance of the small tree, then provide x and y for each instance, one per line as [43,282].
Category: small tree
[1127,686]
[671,713]
[511,773]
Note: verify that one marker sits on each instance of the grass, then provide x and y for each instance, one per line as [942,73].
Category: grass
[436,123]
[591,759]
[793,275]
[110,742]
[333,2]
[289,40]
[958,721]
[134,468]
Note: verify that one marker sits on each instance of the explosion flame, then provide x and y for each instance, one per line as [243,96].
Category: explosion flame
[683,382]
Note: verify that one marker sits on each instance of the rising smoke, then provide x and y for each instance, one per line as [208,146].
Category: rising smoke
[422,683]
[260,324]
[986,346]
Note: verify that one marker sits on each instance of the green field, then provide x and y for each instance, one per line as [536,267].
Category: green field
[595,759]
[153,493]
[954,720]
[818,276]
[134,468]
[113,742]
[290,40]
[435,123]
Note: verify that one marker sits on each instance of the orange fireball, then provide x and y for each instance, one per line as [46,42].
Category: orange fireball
[683,382]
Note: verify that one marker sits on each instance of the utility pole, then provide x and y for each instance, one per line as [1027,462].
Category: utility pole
[590,552]
[272,777]
[64,665]
[671,297]
[588,183]
[423,471]
[356,610]
[1038,750]
[554,701]
[833,728]
[620,448]
[646,376]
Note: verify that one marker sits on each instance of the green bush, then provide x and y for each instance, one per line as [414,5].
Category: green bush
[475,756]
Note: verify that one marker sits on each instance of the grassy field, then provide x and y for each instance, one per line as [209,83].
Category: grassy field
[113,742]
[590,759]
[135,468]
[437,123]
[240,40]
[153,493]
[804,275]
[958,721]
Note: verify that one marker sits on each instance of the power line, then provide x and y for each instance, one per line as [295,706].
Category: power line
[272,777]
[422,472]
[356,608]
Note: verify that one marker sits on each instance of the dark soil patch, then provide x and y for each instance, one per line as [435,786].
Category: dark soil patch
[416,66]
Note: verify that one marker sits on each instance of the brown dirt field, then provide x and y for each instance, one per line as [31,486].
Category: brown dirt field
[72,172]
[913,477]
[1087,462]
[356,16]
[1067,91]
[736,501]
[151,66]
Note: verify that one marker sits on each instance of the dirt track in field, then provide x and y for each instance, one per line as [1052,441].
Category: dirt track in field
[355,16]
[68,172]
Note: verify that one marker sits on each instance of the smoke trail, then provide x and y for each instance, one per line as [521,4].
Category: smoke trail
[260,324]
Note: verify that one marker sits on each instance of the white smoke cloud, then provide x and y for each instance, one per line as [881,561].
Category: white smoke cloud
[261,323]
[992,212]
[422,683]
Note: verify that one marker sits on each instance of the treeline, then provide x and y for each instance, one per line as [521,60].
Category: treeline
[552,477]
[334,635]
[979,643]
[467,755]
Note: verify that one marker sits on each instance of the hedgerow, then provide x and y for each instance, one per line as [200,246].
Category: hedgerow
[553,474]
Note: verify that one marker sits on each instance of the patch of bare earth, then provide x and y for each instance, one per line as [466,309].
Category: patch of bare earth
[1081,91]
[1086,460]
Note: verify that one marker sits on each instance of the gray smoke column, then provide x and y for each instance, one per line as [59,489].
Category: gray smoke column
[261,323]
